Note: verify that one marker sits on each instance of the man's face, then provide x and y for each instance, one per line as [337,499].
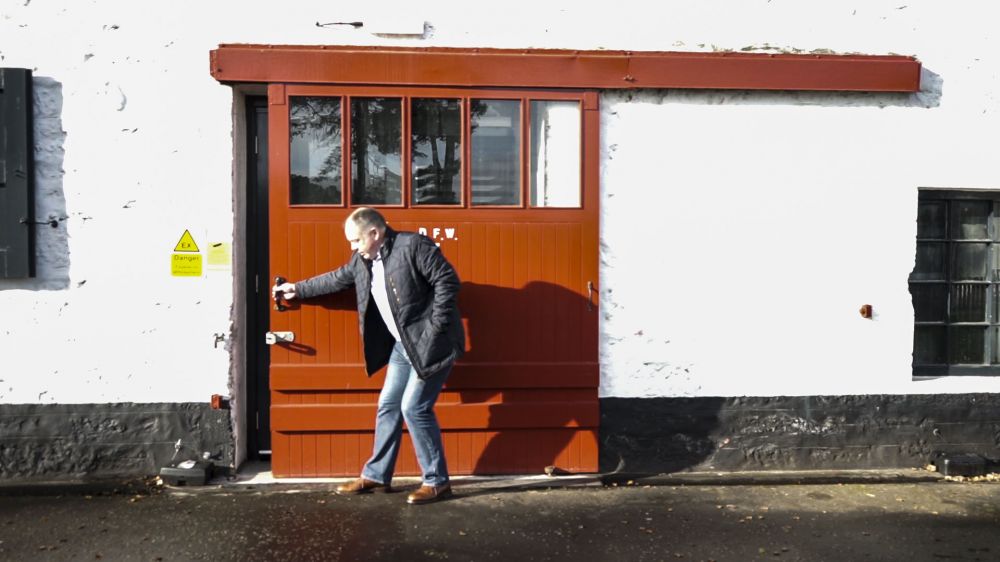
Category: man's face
[365,242]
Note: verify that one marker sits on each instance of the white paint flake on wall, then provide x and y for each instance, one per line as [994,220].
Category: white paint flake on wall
[740,231]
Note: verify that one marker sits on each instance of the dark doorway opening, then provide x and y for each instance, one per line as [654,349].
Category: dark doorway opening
[258,282]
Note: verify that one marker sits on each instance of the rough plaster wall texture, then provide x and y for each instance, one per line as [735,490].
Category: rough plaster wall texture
[146,157]
[148,153]
[738,307]
[771,217]
[769,220]
[237,344]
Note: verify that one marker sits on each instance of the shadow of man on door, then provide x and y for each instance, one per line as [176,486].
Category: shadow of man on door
[532,362]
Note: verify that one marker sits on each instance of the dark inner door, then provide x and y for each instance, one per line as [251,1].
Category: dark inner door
[258,285]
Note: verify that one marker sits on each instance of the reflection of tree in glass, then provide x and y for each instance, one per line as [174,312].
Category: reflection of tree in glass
[315,123]
[477,108]
[437,129]
[375,134]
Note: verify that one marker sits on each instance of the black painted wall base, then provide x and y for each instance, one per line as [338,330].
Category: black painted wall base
[660,435]
[74,442]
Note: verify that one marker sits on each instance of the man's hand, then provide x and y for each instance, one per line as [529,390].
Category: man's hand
[288,290]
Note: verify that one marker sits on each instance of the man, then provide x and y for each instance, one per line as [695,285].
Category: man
[407,308]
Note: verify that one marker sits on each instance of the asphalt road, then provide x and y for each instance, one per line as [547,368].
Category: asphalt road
[939,521]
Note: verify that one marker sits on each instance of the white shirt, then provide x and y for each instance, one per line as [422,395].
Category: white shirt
[381,295]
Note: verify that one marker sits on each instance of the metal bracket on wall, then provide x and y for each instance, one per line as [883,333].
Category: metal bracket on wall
[51,222]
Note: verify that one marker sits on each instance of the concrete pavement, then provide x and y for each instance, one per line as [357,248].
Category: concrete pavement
[901,516]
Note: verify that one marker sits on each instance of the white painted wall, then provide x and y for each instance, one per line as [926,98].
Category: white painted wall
[721,193]
[772,217]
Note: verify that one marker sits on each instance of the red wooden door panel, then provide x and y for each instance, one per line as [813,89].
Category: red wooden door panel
[525,394]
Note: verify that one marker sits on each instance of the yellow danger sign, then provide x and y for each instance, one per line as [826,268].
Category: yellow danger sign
[182,265]
[186,243]
[219,254]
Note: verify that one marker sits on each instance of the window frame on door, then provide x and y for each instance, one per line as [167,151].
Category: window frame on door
[585,100]
[937,313]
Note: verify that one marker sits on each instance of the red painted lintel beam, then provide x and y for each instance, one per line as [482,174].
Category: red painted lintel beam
[533,68]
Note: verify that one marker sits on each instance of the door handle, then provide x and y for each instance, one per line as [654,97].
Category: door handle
[590,296]
[271,338]
[279,295]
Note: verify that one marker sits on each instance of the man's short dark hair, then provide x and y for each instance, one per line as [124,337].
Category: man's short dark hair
[366,217]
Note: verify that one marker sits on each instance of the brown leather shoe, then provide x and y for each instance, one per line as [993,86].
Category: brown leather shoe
[361,486]
[429,494]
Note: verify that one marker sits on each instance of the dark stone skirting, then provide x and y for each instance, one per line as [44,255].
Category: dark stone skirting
[659,435]
[79,442]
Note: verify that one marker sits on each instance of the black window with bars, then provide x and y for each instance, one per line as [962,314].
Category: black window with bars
[955,284]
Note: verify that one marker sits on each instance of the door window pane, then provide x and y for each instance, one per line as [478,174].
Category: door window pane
[931,219]
[966,345]
[555,153]
[376,151]
[314,129]
[996,303]
[929,301]
[437,151]
[930,261]
[967,303]
[496,152]
[995,336]
[969,262]
[994,265]
[968,219]
[928,345]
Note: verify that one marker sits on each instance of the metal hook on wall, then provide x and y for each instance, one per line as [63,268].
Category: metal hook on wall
[53,222]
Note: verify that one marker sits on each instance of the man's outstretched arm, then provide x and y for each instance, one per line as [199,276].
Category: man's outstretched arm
[323,284]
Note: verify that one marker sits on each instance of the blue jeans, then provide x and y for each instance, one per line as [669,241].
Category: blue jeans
[405,396]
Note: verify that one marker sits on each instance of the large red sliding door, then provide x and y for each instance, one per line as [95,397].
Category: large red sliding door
[525,394]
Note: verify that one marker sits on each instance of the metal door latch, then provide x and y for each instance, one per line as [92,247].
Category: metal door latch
[272,338]
[278,295]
